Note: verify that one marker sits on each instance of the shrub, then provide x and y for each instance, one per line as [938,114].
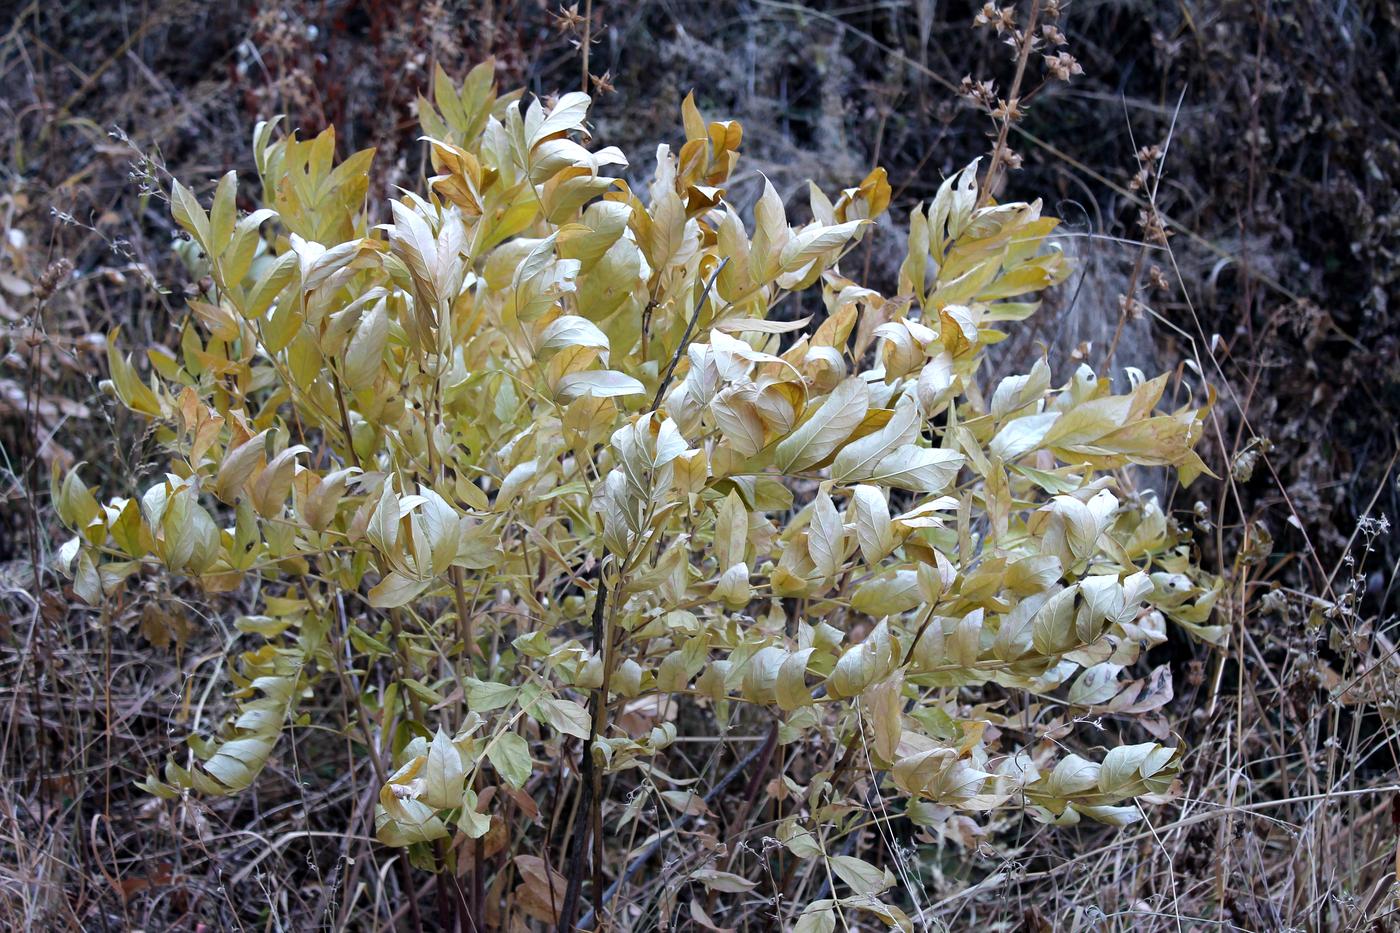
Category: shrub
[542,466]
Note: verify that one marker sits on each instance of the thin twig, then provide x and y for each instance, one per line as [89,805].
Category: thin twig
[582,821]
[655,847]
[1012,99]
[685,337]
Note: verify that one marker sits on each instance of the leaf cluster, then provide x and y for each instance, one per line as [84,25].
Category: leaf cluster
[538,450]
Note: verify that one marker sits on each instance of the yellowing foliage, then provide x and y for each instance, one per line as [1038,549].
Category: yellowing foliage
[539,447]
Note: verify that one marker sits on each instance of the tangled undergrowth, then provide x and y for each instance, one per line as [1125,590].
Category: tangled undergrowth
[1279,702]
